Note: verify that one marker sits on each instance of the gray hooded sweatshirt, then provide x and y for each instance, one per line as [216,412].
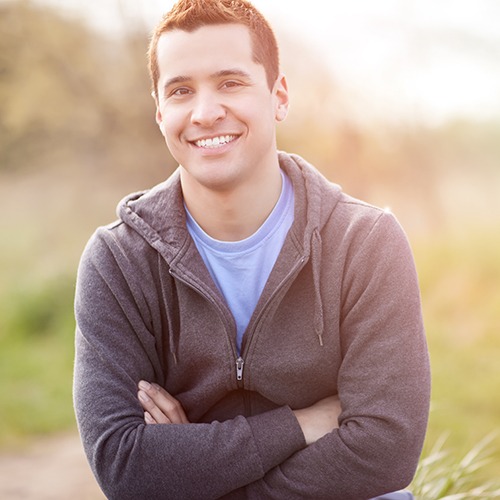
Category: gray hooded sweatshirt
[340,314]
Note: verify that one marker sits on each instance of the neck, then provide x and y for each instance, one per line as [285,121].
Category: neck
[235,214]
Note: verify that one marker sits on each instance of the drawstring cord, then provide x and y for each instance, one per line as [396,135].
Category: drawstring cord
[318,303]
[169,294]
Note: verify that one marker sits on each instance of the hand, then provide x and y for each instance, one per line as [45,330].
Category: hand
[319,419]
[159,406]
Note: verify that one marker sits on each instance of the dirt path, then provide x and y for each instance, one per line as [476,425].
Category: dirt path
[52,469]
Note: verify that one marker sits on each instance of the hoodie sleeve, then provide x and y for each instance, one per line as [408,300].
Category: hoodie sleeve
[383,385]
[115,348]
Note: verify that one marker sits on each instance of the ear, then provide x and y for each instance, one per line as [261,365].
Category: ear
[158,115]
[280,91]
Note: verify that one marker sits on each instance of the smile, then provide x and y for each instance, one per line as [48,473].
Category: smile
[215,142]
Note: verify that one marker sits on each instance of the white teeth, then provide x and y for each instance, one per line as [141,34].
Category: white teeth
[215,142]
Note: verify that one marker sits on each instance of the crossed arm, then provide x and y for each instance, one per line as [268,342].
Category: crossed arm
[162,408]
[383,383]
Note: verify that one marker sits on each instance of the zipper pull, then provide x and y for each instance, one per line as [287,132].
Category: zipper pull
[239,368]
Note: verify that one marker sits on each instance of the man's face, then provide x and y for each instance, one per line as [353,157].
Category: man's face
[215,108]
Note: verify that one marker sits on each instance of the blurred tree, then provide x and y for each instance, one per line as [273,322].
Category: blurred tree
[71,96]
[42,59]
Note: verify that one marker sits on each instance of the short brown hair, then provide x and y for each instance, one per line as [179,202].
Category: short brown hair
[189,15]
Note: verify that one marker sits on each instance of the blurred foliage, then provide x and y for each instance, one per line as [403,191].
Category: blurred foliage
[459,272]
[38,311]
[36,359]
[72,96]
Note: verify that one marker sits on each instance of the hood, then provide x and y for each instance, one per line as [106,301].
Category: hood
[158,216]
[315,196]
[315,202]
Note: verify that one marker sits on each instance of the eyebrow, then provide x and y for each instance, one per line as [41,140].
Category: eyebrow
[231,72]
[218,74]
[175,80]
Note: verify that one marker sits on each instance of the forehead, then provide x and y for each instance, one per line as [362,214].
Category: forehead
[209,48]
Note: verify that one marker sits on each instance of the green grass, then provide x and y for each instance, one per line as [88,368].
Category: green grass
[459,276]
[443,475]
[36,353]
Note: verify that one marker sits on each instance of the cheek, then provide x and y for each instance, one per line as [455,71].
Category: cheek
[264,124]
[259,118]
[170,124]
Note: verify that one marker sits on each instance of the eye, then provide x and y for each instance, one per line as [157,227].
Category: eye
[231,84]
[180,92]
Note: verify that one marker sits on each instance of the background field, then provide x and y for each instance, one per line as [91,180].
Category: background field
[77,134]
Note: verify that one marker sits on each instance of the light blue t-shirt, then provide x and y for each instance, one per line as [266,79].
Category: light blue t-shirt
[241,268]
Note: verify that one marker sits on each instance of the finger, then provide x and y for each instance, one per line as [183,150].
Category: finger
[164,403]
[169,405]
[149,405]
[148,418]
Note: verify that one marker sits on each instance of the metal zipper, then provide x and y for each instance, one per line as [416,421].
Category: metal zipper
[240,362]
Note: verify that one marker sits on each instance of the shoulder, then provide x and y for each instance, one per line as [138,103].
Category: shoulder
[353,214]
[357,228]
[115,250]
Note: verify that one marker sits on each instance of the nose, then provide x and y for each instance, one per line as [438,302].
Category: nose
[207,109]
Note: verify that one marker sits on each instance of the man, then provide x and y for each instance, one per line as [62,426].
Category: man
[270,323]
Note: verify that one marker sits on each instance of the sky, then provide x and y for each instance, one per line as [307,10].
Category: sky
[431,60]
